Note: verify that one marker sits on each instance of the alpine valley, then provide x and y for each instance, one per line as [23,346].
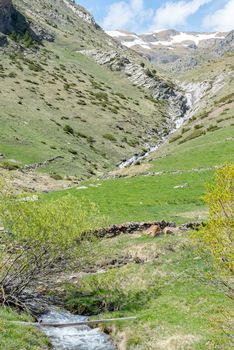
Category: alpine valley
[108,140]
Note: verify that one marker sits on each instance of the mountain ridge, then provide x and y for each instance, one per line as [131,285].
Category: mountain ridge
[175,50]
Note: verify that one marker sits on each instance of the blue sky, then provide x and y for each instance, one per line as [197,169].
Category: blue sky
[148,15]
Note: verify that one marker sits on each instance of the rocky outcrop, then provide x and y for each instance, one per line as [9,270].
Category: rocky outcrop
[3,42]
[11,20]
[6,12]
[81,12]
[141,77]
[225,45]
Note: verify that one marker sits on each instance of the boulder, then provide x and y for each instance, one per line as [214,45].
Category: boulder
[153,231]
[6,11]
[3,42]
[170,230]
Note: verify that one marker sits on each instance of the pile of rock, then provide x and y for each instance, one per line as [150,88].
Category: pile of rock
[152,229]
[130,227]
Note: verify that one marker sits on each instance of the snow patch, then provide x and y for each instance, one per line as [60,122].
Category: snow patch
[181,37]
[116,34]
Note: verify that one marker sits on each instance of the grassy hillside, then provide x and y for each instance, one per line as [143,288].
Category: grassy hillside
[58,102]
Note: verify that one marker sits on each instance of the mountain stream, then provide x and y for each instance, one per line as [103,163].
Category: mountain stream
[73,337]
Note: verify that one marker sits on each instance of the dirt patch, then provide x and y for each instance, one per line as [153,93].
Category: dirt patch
[144,252]
[221,109]
[130,171]
[33,181]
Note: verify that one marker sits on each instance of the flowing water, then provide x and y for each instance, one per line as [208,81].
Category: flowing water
[73,338]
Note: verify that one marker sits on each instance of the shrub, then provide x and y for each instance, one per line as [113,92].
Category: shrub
[109,137]
[175,138]
[36,67]
[68,129]
[72,151]
[149,73]
[56,176]
[40,238]
[193,135]
[9,165]
[217,236]
[102,295]
[184,130]
[204,115]
[12,75]
[198,126]
[213,127]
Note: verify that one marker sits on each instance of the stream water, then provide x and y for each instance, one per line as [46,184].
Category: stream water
[73,338]
[193,93]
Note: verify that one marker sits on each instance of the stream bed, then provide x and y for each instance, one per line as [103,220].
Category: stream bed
[73,338]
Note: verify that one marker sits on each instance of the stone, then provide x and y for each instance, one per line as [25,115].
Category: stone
[170,230]
[3,42]
[6,10]
[153,231]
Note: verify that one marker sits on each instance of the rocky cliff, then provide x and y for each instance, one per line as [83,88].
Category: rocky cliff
[6,12]
[142,77]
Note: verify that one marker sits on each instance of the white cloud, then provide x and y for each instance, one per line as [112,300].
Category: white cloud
[129,15]
[222,19]
[175,13]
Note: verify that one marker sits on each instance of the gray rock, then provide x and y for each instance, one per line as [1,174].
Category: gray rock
[6,12]
[3,41]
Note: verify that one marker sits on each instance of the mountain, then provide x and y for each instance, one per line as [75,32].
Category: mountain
[62,112]
[136,131]
[174,50]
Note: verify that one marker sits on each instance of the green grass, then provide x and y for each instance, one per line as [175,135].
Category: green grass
[16,337]
[184,312]
[212,149]
[145,198]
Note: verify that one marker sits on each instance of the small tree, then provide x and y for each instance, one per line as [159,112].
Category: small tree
[39,238]
[217,237]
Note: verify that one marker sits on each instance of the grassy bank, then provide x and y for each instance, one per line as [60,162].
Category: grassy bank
[15,337]
[166,287]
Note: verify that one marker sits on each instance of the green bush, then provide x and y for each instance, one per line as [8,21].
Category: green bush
[40,237]
[198,126]
[109,137]
[9,165]
[96,296]
[149,73]
[193,135]
[217,236]
[213,128]
[56,176]
[175,138]
[36,67]
[68,129]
